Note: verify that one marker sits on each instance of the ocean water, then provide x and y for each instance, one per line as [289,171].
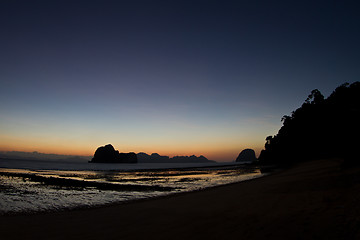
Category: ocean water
[32,186]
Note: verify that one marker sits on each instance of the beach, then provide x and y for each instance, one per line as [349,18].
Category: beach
[312,200]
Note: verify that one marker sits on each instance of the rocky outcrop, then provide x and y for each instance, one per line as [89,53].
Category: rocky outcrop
[246,155]
[108,154]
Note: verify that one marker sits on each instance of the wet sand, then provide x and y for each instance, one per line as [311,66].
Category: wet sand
[313,200]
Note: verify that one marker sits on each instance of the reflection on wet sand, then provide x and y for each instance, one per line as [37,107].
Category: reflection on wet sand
[25,190]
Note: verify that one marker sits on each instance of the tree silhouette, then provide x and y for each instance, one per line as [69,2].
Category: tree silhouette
[315,97]
[319,128]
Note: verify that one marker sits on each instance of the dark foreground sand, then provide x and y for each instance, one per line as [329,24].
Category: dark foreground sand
[314,200]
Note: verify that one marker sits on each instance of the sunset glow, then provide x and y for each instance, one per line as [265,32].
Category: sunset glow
[177,79]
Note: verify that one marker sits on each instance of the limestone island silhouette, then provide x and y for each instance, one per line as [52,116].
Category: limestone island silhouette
[246,155]
[108,154]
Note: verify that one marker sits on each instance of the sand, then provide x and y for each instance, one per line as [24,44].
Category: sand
[313,200]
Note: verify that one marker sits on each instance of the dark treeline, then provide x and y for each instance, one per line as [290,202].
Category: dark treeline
[320,128]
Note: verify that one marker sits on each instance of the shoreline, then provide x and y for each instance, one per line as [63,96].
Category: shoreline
[54,191]
[311,200]
[8,163]
[114,204]
[28,174]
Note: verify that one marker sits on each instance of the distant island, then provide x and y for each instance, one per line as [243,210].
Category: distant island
[108,154]
[156,158]
[19,155]
[112,156]
[246,155]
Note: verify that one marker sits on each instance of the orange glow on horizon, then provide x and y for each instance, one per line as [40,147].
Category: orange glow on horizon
[218,151]
[211,154]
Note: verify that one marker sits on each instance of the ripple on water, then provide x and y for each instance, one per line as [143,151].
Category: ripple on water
[24,191]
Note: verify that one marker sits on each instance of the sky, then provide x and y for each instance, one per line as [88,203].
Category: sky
[173,77]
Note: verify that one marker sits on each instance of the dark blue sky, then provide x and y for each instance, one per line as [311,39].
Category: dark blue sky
[175,77]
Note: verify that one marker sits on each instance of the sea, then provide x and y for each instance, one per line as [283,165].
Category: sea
[30,186]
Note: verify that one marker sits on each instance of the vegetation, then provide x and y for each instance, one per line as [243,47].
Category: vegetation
[320,128]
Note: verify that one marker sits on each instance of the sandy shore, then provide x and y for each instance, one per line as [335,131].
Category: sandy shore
[314,200]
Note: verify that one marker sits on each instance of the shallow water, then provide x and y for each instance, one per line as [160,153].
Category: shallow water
[24,190]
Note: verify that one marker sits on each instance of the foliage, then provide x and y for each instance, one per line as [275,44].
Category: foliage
[319,128]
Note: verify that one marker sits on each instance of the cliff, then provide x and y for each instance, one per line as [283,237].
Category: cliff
[246,155]
[108,154]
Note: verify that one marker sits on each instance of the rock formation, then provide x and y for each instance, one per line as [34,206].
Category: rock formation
[246,155]
[107,154]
